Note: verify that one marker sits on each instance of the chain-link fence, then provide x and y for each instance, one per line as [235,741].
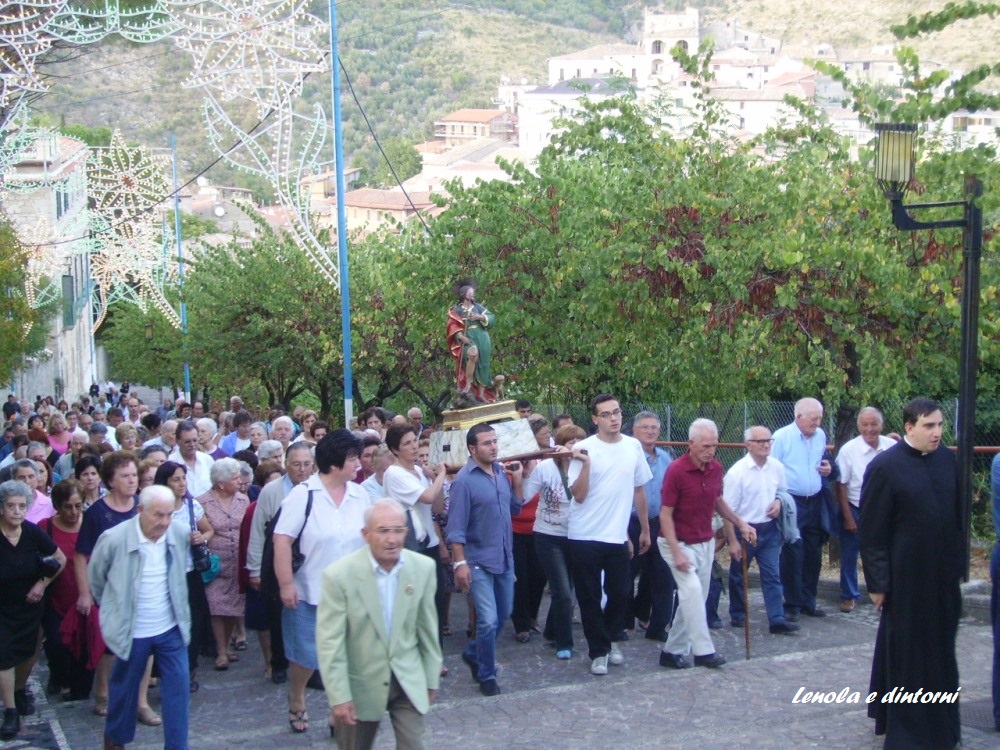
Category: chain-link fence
[839,425]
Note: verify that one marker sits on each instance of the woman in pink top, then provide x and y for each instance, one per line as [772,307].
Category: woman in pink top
[41,508]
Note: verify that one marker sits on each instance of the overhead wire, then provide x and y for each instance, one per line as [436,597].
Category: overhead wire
[241,140]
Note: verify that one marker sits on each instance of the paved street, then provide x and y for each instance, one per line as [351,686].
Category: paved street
[553,704]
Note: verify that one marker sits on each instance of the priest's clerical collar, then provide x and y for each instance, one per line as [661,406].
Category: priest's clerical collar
[906,440]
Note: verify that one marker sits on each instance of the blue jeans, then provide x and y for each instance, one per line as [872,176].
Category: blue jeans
[801,562]
[123,689]
[553,554]
[849,546]
[995,617]
[493,596]
[766,552]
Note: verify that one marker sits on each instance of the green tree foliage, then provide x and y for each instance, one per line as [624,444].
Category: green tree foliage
[701,269]
[17,318]
[406,162]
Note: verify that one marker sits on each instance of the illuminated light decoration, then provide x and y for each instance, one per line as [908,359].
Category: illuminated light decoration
[47,261]
[285,156]
[125,181]
[129,268]
[81,24]
[23,37]
[257,50]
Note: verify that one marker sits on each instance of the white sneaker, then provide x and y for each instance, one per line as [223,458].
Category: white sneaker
[599,665]
[616,657]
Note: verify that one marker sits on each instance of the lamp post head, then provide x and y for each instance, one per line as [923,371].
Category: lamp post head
[894,157]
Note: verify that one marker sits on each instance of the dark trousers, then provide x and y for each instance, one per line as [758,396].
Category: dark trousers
[653,600]
[529,583]
[441,595]
[279,662]
[589,560]
[65,671]
[714,595]
[801,562]
[200,622]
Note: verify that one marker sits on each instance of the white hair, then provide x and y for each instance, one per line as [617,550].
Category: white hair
[700,426]
[807,405]
[207,422]
[154,493]
[871,410]
[284,419]
[385,502]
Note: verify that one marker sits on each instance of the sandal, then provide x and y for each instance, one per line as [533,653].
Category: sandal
[221,664]
[100,706]
[239,645]
[232,656]
[298,721]
[523,637]
[149,717]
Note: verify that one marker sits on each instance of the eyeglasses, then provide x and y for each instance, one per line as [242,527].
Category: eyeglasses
[609,414]
[762,441]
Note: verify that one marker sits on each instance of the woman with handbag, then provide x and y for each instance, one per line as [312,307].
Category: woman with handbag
[29,561]
[320,522]
[225,506]
[189,511]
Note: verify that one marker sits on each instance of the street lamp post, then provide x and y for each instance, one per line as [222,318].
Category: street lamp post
[894,169]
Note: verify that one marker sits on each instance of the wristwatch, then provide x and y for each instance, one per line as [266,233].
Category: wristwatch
[458,564]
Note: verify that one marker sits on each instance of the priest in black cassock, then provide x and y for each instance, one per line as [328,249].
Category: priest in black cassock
[911,551]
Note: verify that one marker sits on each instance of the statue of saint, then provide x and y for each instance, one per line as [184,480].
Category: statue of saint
[469,342]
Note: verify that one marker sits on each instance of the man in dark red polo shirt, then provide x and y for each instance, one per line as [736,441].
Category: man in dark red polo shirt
[692,492]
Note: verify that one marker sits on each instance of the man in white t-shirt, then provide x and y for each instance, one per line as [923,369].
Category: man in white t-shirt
[606,484]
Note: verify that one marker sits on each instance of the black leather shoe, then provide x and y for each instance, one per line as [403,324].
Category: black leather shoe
[737,623]
[109,745]
[814,612]
[791,615]
[489,687]
[660,637]
[24,702]
[712,661]
[11,724]
[783,628]
[674,661]
[279,676]
[473,666]
[315,681]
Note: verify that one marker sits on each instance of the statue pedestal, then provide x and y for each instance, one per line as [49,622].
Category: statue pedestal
[513,433]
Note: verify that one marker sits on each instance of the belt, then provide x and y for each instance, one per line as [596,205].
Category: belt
[763,524]
[807,497]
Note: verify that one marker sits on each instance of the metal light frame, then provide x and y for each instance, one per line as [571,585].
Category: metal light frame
[894,168]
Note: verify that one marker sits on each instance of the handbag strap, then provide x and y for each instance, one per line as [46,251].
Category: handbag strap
[190,505]
[309,507]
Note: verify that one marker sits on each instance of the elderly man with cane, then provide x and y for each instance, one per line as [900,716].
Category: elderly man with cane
[751,488]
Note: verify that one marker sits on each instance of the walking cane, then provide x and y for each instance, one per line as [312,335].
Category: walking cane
[746,598]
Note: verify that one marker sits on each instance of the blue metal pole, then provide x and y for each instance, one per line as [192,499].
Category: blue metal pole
[180,268]
[338,155]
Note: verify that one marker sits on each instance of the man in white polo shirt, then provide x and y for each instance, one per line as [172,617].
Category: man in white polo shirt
[751,489]
[852,460]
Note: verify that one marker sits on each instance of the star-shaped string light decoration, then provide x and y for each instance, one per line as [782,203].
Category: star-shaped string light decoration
[23,37]
[47,260]
[129,267]
[126,181]
[258,50]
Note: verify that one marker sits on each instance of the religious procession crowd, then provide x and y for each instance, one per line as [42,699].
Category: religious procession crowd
[140,541]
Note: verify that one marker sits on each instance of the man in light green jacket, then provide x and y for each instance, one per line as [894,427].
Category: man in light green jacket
[137,576]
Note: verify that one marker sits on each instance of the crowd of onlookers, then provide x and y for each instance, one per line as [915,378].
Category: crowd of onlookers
[270,500]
